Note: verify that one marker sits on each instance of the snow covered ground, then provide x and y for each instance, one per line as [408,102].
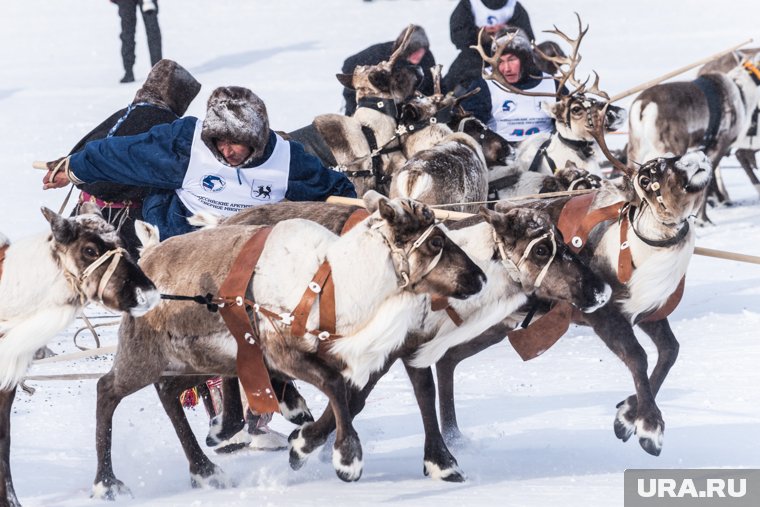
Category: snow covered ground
[540,433]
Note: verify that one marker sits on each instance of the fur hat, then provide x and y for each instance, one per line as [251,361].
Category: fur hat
[518,44]
[417,40]
[169,85]
[236,114]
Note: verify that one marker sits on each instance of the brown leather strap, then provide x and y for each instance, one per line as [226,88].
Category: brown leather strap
[2,258]
[302,310]
[355,217]
[576,221]
[327,319]
[251,369]
[625,261]
[538,337]
[669,305]
[438,303]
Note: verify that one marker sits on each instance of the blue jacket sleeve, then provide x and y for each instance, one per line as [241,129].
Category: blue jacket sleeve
[479,105]
[157,158]
[309,180]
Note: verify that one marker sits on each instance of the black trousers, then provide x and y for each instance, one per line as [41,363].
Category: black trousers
[128,15]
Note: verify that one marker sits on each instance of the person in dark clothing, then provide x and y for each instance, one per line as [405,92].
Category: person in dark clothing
[128,15]
[468,18]
[165,96]
[229,161]
[417,53]
[512,115]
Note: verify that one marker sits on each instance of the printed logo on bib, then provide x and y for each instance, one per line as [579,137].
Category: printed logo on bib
[508,106]
[213,183]
[492,20]
[261,190]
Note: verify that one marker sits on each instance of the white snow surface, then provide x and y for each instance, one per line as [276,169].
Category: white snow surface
[540,432]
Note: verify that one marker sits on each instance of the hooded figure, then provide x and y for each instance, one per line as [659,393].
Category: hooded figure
[517,43]
[187,169]
[165,96]
[417,53]
[466,21]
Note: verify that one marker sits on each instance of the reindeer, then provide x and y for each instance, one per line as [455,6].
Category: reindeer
[510,181]
[364,146]
[746,146]
[710,113]
[572,111]
[641,248]
[44,281]
[378,268]
[519,256]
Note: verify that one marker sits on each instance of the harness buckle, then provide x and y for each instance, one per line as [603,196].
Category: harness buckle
[380,104]
[433,120]
[287,318]
[315,287]
[250,339]
[324,335]
[239,300]
[655,186]
[577,242]
[624,245]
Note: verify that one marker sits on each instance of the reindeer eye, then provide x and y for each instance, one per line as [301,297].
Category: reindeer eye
[90,252]
[644,181]
[436,243]
[541,250]
[576,110]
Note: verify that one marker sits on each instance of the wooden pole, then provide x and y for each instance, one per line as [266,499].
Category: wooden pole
[458,215]
[39,164]
[683,69]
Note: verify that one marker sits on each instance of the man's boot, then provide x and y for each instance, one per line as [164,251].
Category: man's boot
[129,77]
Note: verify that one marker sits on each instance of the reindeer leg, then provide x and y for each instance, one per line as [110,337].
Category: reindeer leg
[292,404]
[203,472]
[667,353]
[347,451]
[231,420]
[444,369]
[438,461]
[7,493]
[749,163]
[645,419]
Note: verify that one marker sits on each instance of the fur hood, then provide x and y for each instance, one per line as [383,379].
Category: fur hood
[521,46]
[417,40]
[239,115]
[169,85]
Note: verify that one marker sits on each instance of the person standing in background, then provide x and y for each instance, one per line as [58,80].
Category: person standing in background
[128,15]
[468,18]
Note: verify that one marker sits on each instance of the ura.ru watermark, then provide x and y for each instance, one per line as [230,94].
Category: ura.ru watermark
[691,487]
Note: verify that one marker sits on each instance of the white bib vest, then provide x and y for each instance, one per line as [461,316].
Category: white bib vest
[514,116]
[210,185]
[489,17]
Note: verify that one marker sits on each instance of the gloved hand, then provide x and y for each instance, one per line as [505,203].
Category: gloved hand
[57,175]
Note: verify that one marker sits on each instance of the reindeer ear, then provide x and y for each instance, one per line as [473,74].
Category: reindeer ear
[346,80]
[553,109]
[387,211]
[64,231]
[89,208]
[147,234]
[372,200]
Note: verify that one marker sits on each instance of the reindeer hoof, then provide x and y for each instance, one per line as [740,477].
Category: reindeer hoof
[624,425]
[650,436]
[450,474]
[298,416]
[347,459]
[298,455]
[110,489]
[217,479]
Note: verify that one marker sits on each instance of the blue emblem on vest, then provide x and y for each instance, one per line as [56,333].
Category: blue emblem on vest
[508,106]
[492,20]
[213,183]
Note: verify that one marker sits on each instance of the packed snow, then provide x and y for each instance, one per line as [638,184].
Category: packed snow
[539,433]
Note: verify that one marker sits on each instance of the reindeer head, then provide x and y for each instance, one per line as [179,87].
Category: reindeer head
[533,252]
[426,260]
[673,187]
[571,177]
[89,250]
[575,115]
[391,79]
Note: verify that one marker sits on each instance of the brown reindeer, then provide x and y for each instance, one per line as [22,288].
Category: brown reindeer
[377,270]
[45,281]
[527,249]
[642,247]
[710,113]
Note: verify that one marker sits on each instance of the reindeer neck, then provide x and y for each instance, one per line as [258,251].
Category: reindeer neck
[424,139]
[384,126]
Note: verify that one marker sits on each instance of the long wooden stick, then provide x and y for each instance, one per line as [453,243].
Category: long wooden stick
[39,164]
[458,215]
[683,69]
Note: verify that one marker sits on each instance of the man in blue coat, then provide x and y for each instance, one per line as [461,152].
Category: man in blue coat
[229,161]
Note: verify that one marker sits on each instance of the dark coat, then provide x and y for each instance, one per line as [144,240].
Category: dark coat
[464,33]
[378,53]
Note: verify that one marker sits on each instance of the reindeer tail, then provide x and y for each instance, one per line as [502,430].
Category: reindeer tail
[205,220]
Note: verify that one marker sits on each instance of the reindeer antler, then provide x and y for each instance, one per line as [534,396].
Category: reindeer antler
[493,62]
[597,132]
[436,73]
[571,61]
[402,46]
